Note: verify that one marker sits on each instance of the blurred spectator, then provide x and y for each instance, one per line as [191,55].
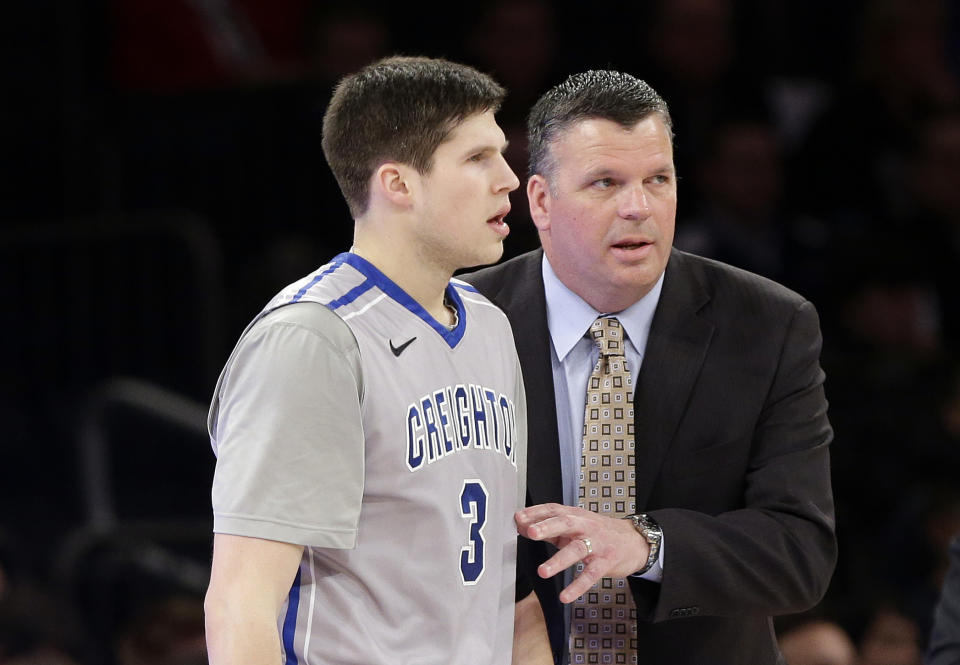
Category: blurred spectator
[141,601]
[890,638]
[905,55]
[694,63]
[884,355]
[817,642]
[743,218]
[935,170]
[854,160]
[934,209]
[916,542]
[693,42]
[168,631]
[896,318]
[884,360]
[799,81]
[517,43]
[37,627]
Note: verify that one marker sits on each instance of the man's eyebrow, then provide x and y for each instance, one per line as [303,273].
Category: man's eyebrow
[666,167]
[599,172]
[606,171]
[488,147]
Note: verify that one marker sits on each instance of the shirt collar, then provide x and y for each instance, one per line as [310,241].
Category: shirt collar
[569,316]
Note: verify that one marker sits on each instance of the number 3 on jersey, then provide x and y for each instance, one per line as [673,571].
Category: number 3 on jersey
[473,506]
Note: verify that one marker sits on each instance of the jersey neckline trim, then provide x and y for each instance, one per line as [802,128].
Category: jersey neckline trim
[376,278]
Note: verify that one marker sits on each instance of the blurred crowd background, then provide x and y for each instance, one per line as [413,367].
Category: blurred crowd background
[162,177]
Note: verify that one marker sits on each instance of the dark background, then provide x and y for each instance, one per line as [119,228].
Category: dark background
[161,177]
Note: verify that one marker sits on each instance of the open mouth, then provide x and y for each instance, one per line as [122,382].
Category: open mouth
[497,224]
[497,221]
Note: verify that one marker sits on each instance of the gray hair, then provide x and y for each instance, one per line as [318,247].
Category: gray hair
[603,94]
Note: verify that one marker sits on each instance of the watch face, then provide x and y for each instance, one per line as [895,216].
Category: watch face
[650,530]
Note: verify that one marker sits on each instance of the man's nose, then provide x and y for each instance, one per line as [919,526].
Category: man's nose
[634,203]
[508,180]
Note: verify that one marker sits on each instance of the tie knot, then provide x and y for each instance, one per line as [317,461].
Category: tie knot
[608,335]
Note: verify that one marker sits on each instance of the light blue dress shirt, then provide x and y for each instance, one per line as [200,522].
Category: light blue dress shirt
[573,356]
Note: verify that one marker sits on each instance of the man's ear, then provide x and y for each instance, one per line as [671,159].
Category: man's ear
[391,181]
[538,195]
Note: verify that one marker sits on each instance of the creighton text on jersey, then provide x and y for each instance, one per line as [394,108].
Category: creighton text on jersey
[456,418]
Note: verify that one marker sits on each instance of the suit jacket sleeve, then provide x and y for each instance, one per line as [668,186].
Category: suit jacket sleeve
[747,508]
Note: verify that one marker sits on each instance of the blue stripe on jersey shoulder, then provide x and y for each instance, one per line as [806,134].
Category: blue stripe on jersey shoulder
[336,263]
[290,622]
[388,286]
[351,295]
[346,298]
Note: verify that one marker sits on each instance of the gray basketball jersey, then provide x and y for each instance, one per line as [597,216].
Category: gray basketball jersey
[393,448]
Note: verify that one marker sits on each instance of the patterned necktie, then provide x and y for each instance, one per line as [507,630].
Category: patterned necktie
[603,625]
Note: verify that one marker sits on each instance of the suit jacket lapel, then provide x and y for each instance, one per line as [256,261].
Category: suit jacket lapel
[675,351]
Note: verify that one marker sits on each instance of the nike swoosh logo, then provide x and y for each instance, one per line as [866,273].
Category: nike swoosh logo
[397,350]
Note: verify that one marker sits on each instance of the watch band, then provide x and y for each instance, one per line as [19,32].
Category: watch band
[652,533]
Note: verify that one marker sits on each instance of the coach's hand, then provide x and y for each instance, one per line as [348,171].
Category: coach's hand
[608,547]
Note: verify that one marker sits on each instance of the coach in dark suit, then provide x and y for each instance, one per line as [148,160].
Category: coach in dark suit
[731,429]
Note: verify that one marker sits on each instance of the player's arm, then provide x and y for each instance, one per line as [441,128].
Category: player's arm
[249,581]
[531,644]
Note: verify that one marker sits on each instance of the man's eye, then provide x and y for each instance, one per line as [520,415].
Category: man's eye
[661,179]
[603,183]
[477,157]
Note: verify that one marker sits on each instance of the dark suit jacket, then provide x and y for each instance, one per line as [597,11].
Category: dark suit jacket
[732,457]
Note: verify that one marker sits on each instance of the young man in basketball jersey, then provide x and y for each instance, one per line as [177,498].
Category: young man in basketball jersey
[370,424]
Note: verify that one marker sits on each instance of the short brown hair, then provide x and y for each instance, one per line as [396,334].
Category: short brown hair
[398,109]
